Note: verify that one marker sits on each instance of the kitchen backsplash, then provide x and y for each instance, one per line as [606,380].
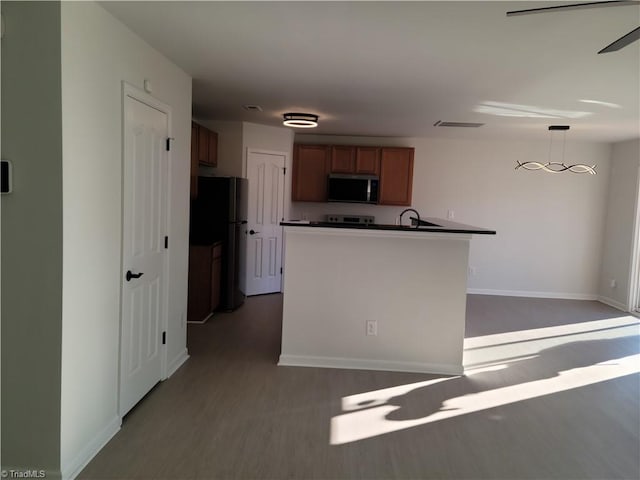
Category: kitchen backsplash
[318,211]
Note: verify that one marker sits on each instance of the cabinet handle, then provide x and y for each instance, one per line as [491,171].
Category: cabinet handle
[252,232]
[133,275]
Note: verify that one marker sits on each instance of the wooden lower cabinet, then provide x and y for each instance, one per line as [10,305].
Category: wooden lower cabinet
[216,276]
[205,262]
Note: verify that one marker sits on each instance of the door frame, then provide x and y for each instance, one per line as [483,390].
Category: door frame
[285,189]
[129,90]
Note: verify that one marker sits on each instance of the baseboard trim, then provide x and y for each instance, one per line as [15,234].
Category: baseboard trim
[368,364]
[523,293]
[613,303]
[200,322]
[177,362]
[71,471]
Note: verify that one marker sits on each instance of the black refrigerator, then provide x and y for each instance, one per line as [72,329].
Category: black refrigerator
[219,213]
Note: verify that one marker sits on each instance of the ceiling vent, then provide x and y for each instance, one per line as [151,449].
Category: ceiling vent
[457,124]
[252,108]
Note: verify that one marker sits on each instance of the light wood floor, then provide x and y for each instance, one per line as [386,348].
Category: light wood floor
[230,412]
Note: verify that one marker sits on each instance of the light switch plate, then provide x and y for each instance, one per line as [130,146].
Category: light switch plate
[5,176]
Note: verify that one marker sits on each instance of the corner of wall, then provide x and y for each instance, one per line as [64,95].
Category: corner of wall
[620,253]
[229,147]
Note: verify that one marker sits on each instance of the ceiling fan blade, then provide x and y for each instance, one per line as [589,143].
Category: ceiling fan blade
[574,6]
[622,42]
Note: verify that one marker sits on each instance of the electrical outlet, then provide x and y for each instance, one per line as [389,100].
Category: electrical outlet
[451,214]
[472,271]
[613,283]
[372,327]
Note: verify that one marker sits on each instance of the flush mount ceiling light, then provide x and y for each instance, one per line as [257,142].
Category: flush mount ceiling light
[557,167]
[300,120]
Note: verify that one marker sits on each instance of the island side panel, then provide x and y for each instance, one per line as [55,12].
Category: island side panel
[412,284]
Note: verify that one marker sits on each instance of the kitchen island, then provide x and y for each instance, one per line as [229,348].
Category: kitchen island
[377,297]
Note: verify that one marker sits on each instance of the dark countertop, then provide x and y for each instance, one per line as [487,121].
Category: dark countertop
[428,225]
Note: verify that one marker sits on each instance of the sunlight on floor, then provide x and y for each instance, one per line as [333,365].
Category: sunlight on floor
[368,414]
[513,345]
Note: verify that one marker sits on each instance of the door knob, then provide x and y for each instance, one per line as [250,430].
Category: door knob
[133,275]
[252,232]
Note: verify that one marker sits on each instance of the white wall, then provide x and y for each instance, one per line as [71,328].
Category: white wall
[620,221]
[98,53]
[549,240]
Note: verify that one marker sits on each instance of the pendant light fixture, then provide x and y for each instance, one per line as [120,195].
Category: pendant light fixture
[557,167]
[300,120]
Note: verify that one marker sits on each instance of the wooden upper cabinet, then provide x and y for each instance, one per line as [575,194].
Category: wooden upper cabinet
[343,159]
[368,160]
[194,160]
[212,153]
[362,160]
[309,176]
[194,143]
[396,176]
[312,164]
[203,144]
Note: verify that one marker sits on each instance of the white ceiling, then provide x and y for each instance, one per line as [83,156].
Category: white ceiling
[396,68]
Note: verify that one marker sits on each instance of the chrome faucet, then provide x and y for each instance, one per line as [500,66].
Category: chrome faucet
[410,210]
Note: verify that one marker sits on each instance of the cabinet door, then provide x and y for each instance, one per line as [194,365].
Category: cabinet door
[203,144]
[199,298]
[212,159]
[396,176]
[368,160]
[216,276]
[343,159]
[310,169]
[194,160]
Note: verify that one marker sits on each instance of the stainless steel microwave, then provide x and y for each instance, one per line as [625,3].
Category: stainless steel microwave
[352,188]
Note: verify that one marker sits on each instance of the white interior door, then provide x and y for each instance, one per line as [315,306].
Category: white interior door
[145,179]
[265,171]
